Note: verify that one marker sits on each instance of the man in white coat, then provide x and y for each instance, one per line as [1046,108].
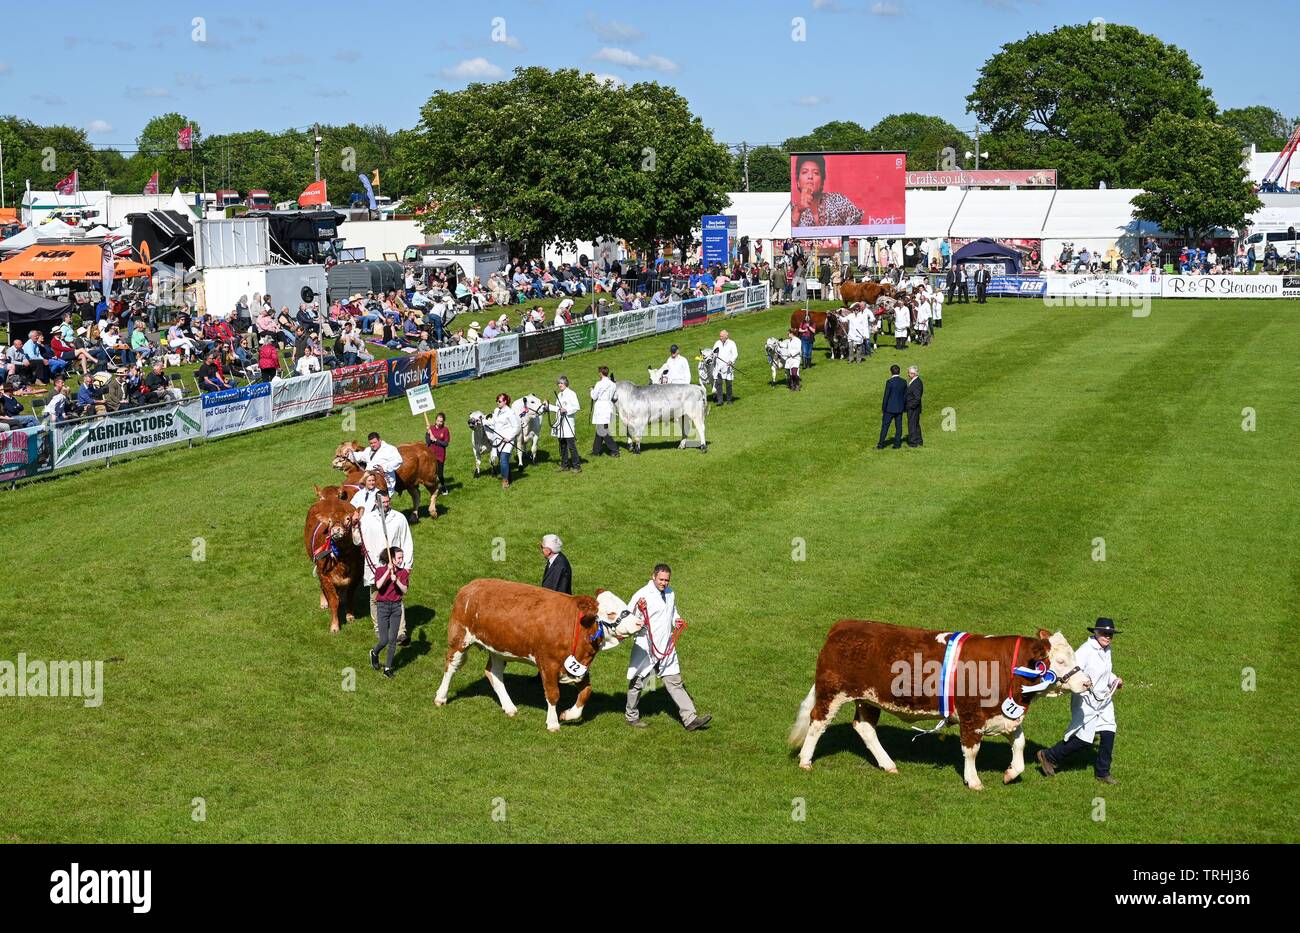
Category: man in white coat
[859,334]
[655,650]
[937,312]
[902,321]
[725,353]
[791,351]
[381,528]
[1092,713]
[602,413]
[566,406]
[923,318]
[676,370]
[380,456]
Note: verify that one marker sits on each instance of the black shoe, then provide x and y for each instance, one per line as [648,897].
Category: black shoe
[577,469]
[405,639]
[564,468]
[636,723]
[880,447]
[374,659]
[1048,768]
[898,446]
[388,672]
[699,722]
[1107,779]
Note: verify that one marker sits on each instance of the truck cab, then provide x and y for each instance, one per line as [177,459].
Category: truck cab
[258,200]
[227,198]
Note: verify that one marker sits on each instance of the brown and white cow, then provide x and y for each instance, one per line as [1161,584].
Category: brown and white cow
[902,671]
[559,633]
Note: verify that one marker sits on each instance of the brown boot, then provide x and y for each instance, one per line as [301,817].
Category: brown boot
[1048,768]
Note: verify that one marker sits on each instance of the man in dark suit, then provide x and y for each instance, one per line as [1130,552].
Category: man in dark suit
[963,285]
[892,407]
[558,575]
[915,389]
[951,282]
[982,279]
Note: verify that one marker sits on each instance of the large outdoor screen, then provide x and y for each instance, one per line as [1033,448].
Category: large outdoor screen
[847,194]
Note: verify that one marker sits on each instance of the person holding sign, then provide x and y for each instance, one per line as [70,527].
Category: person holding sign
[437,438]
[566,406]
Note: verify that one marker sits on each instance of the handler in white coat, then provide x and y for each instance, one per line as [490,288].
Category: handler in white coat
[382,456]
[383,527]
[655,650]
[923,318]
[1092,713]
[602,415]
[902,321]
[505,428]
[937,314]
[676,370]
[725,353]
[791,350]
[566,406]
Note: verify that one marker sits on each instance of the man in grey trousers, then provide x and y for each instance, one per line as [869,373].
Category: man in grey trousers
[655,650]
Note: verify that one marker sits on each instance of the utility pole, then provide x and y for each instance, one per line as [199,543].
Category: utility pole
[316,157]
[2,172]
[977,145]
[744,148]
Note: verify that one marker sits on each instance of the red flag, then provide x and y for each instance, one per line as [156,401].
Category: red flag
[314,194]
[68,185]
[185,138]
[152,187]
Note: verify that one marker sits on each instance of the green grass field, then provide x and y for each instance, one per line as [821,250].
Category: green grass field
[223,682]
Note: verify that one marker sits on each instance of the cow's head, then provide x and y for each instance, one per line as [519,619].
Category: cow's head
[1055,650]
[345,455]
[617,617]
[475,419]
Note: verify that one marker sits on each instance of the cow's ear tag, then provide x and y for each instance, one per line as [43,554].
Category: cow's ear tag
[1011,709]
[574,666]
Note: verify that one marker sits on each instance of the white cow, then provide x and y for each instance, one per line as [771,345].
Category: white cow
[639,407]
[528,409]
[483,439]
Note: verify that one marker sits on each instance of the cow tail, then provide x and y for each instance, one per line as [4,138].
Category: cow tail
[799,731]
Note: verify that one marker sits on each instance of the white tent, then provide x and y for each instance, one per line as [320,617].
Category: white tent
[988,212]
[930,212]
[51,230]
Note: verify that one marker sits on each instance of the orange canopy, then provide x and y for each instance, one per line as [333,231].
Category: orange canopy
[8,215]
[71,263]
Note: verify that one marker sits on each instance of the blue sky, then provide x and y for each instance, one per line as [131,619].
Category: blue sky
[110,67]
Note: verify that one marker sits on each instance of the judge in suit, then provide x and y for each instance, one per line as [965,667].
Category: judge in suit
[963,285]
[951,281]
[982,279]
[912,402]
[558,575]
[892,407]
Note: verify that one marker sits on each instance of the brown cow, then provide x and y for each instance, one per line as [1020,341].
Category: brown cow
[419,468]
[336,556]
[902,670]
[868,291]
[559,633]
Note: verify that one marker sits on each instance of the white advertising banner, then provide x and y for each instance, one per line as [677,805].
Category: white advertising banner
[1230,286]
[127,432]
[626,325]
[239,409]
[498,353]
[755,297]
[715,302]
[1104,285]
[456,362]
[301,395]
[668,317]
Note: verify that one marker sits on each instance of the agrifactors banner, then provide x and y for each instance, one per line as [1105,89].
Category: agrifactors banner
[579,337]
[238,409]
[454,363]
[409,372]
[25,452]
[127,432]
[541,345]
[367,380]
[498,353]
[301,395]
[1230,286]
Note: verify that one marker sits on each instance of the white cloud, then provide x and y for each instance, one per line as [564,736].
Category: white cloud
[810,100]
[830,6]
[885,9]
[626,59]
[147,93]
[99,127]
[613,80]
[611,30]
[512,42]
[473,68]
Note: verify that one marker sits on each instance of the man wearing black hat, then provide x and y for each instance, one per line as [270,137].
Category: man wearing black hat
[1092,713]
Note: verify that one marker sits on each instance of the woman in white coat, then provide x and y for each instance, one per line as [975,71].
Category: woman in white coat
[792,354]
[505,425]
[566,406]
[1092,713]
[602,414]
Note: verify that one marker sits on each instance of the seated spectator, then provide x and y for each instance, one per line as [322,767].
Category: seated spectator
[116,396]
[141,348]
[68,353]
[209,376]
[285,324]
[471,335]
[34,352]
[492,331]
[11,411]
[158,385]
[265,324]
[90,397]
[59,407]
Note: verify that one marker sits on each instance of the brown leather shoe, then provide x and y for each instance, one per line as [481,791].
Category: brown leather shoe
[1046,765]
[1106,779]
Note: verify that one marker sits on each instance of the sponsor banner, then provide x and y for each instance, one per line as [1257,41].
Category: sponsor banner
[579,337]
[755,297]
[1015,285]
[694,311]
[127,432]
[838,194]
[239,409]
[25,452]
[541,345]
[1230,286]
[626,325]
[498,353]
[301,395]
[734,300]
[1104,284]
[715,304]
[451,364]
[406,373]
[713,236]
[668,317]
[365,380]
[984,178]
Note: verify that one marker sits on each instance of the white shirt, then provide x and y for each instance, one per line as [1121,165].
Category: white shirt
[662,610]
[374,525]
[902,318]
[602,397]
[308,365]
[726,353]
[1093,710]
[679,370]
[567,403]
[506,425]
[923,311]
[858,327]
[938,305]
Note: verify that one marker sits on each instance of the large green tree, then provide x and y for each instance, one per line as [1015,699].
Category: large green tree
[44,155]
[1263,126]
[769,169]
[923,137]
[1191,175]
[836,136]
[1077,99]
[157,150]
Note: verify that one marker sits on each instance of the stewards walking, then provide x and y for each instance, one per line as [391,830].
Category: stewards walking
[558,575]
[915,389]
[602,413]
[892,407]
[566,406]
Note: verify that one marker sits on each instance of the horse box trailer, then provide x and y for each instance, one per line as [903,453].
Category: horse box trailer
[478,260]
[222,288]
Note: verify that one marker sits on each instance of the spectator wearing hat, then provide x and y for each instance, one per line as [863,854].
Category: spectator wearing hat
[115,393]
[1092,713]
[11,410]
[558,574]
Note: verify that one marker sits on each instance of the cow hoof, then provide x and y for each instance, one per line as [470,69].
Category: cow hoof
[510,711]
[891,770]
[351,617]
[439,701]
[570,715]
[554,728]
[323,603]
[1009,776]
[806,765]
[976,786]
[704,448]
[334,628]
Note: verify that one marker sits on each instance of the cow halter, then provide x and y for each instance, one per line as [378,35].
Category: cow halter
[571,663]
